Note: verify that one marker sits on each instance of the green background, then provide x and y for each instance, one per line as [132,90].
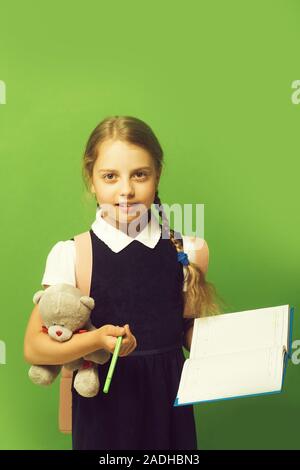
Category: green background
[213,80]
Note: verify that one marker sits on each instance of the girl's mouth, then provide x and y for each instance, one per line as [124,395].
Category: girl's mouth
[126,207]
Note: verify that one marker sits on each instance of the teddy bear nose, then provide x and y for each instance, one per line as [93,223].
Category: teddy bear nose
[58,333]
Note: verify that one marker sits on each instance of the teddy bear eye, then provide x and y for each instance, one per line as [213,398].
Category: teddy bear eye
[63,326]
[54,324]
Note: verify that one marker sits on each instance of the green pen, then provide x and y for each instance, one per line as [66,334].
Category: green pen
[112,364]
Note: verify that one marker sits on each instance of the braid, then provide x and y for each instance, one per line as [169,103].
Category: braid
[200,295]
[165,224]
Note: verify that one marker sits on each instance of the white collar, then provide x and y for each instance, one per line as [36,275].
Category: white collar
[117,240]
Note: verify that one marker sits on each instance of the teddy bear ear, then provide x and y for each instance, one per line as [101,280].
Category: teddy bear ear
[87,301]
[37,296]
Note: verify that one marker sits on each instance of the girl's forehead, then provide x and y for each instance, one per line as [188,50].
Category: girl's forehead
[118,154]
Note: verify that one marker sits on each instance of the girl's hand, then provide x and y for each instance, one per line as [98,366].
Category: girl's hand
[107,337]
[129,343]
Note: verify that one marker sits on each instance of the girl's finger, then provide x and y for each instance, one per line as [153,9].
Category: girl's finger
[133,346]
[128,348]
[130,335]
[124,353]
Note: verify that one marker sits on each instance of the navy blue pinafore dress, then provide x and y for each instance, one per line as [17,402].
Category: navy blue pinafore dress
[140,286]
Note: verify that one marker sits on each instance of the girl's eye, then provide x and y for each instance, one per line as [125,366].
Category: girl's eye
[141,173]
[54,324]
[108,174]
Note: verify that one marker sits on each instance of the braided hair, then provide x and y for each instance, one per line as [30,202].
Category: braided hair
[200,296]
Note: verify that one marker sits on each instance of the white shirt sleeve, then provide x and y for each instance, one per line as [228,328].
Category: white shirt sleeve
[188,248]
[60,264]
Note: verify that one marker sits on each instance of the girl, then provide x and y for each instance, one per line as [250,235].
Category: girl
[144,281]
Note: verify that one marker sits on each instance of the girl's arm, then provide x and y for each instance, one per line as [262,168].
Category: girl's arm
[40,349]
[187,342]
[201,259]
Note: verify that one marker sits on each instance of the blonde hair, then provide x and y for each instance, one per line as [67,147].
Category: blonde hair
[200,294]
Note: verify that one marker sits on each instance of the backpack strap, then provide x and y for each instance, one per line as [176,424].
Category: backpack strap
[83,274]
[83,262]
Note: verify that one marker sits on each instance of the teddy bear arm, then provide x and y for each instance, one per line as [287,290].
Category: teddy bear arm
[74,365]
[99,357]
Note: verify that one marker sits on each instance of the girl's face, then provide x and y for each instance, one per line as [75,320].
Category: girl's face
[123,173]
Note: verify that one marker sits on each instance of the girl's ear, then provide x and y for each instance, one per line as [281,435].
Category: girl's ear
[87,301]
[37,296]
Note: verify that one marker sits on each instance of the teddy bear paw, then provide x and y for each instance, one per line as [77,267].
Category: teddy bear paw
[43,375]
[86,382]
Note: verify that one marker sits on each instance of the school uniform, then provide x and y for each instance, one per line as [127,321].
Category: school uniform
[136,281]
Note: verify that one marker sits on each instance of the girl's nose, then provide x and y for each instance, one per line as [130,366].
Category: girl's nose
[126,189]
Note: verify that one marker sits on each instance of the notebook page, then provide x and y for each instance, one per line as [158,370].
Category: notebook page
[239,331]
[231,375]
[285,331]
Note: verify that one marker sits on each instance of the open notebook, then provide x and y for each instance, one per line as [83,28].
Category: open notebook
[237,355]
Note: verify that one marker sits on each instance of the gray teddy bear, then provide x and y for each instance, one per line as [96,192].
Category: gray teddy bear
[65,311]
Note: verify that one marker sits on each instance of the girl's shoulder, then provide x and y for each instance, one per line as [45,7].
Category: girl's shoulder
[60,264]
[197,250]
[62,249]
